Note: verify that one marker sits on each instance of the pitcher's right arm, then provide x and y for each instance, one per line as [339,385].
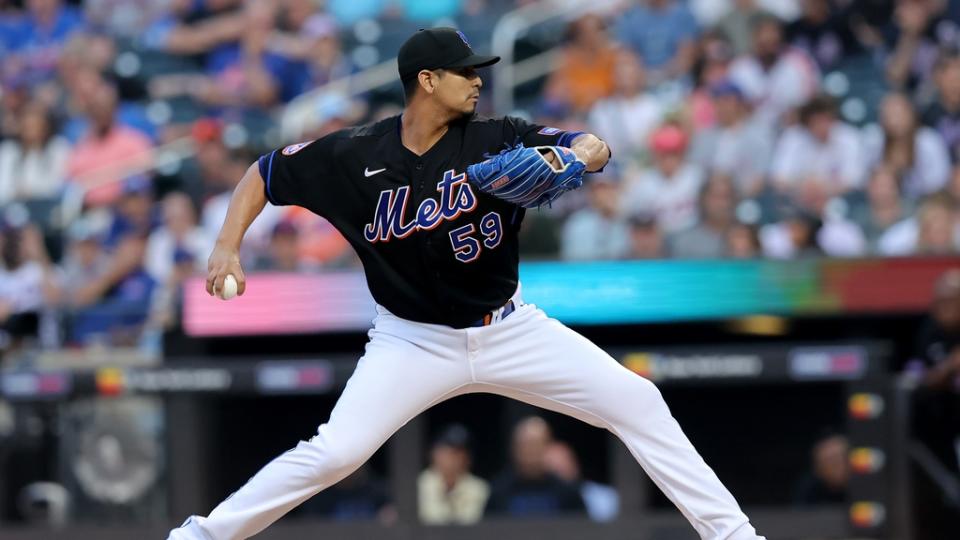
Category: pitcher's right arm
[246,204]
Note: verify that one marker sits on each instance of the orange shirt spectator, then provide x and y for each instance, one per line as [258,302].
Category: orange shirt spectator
[319,242]
[107,152]
[585,72]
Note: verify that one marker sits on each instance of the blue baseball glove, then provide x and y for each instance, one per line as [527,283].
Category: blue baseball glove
[523,175]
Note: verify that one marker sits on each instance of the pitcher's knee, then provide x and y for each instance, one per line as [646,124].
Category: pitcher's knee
[637,391]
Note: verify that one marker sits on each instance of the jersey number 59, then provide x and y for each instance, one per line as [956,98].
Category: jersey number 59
[466,248]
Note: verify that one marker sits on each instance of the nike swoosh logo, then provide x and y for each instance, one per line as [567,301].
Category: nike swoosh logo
[368,173]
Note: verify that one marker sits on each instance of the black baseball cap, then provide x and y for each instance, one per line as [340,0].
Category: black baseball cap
[438,48]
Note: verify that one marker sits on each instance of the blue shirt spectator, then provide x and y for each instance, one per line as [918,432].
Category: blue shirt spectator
[657,30]
[37,38]
[229,58]
[42,28]
[125,307]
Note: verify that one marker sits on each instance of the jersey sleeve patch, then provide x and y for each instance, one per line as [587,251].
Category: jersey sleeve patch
[549,131]
[294,148]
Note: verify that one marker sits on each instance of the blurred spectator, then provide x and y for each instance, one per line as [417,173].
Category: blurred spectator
[296,13]
[953,187]
[738,17]
[793,236]
[715,12]
[933,231]
[360,496]
[937,222]
[247,73]
[259,235]
[111,300]
[819,158]
[602,501]
[943,115]
[166,304]
[823,32]
[737,21]
[211,166]
[528,488]
[446,491]
[775,77]
[597,231]
[84,261]
[936,362]
[735,147]
[179,232]
[707,239]
[586,68]
[125,18]
[283,253]
[663,34]
[87,64]
[841,237]
[220,175]
[36,40]
[742,241]
[826,483]
[14,95]
[625,119]
[134,214]
[321,244]
[711,69]
[195,27]
[670,188]
[33,165]
[324,58]
[880,207]
[646,239]
[107,152]
[26,283]
[919,31]
[915,153]
[869,20]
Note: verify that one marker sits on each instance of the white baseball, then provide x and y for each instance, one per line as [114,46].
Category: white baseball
[229,287]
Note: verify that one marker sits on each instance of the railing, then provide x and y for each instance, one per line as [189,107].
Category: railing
[508,73]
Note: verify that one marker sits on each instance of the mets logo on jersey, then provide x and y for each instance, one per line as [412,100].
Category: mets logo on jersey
[455,198]
[294,148]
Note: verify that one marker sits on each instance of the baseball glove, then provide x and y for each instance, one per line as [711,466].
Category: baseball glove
[523,175]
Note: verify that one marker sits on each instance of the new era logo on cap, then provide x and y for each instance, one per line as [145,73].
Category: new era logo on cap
[464,38]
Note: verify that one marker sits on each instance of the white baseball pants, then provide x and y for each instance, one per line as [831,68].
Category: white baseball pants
[408,367]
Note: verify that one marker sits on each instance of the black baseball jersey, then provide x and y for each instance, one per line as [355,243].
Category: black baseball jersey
[434,248]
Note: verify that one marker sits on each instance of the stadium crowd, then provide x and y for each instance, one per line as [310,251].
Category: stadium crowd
[739,128]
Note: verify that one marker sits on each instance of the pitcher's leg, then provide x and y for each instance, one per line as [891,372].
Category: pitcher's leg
[540,361]
[373,406]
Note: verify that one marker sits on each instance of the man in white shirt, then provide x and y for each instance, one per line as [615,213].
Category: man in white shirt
[671,187]
[735,147]
[626,119]
[179,231]
[775,77]
[818,159]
